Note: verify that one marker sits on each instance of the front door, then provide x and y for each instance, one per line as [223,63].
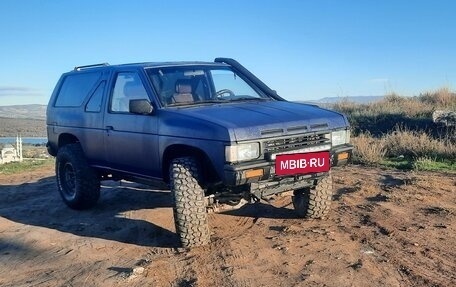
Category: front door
[131,140]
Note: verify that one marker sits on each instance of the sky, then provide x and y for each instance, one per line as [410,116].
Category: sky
[306,50]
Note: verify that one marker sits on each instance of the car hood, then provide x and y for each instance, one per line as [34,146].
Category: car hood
[253,120]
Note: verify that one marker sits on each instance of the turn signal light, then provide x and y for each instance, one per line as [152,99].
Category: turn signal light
[254,173]
[343,155]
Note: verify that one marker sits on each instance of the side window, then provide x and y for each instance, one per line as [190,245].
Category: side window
[75,89]
[128,87]
[94,104]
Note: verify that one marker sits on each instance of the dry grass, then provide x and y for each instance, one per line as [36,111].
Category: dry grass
[412,112]
[369,149]
[424,104]
[31,151]
[402,127]
[417,144]
[394,104]
[442,98]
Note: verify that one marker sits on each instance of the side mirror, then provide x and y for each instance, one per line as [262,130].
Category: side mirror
[142,106]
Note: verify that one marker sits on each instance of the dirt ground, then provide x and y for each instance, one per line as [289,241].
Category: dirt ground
[386,228]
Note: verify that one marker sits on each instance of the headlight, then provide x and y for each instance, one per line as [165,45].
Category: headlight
[242,152]
[340,137]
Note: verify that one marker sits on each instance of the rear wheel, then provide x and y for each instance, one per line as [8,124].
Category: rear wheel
[190,215]
[78,183]
[314,202]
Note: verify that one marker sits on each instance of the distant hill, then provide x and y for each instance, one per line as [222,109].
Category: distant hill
[10,127]
[355,99]
[26,120]
[23,112]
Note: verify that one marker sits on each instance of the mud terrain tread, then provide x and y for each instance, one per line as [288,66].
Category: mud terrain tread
[314,202]
[190,215]
[87,183]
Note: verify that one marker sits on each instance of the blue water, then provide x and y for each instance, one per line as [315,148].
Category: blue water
[12,140]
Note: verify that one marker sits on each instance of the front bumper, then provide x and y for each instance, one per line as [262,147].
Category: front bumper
[264,171]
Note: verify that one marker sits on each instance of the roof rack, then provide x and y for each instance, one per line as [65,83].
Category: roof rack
[78,68]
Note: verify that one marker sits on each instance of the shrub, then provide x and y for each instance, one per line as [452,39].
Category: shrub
[369,149]
[411,112]
[415,144]
[402,129]
[419,149]
[442,98]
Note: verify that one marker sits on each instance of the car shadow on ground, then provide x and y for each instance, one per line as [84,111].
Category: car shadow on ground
[39,204]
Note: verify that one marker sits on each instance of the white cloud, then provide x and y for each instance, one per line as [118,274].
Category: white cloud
[9,91]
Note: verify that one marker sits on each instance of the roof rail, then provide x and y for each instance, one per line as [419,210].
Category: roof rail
[78,68]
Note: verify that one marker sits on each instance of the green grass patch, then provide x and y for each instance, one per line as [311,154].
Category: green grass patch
[397,163]
[26,165]
[421,164]
[429,164]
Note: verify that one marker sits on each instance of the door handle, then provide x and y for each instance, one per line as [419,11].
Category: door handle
[109,128]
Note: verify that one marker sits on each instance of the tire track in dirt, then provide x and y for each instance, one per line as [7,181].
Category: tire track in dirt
[227,226]
[395,232]
[438,271]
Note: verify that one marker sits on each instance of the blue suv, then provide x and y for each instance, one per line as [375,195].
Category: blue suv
[215,133]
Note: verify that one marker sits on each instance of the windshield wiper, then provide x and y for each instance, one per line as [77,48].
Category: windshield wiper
[214,101]
[197,103]
[248,99]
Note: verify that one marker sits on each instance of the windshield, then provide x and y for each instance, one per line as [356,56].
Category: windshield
[192,85]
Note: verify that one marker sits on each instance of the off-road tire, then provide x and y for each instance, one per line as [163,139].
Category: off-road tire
[78,183]
[190,215]
[314,202]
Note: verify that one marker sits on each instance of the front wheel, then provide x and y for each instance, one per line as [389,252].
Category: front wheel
[190,215]
[314,202]
[78,183]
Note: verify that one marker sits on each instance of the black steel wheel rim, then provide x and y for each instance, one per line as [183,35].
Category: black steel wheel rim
[68,181]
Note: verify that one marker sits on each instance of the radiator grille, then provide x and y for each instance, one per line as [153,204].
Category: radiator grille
[295,142]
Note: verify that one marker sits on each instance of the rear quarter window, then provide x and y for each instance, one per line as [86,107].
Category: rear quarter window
[75,88]
[94,104]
